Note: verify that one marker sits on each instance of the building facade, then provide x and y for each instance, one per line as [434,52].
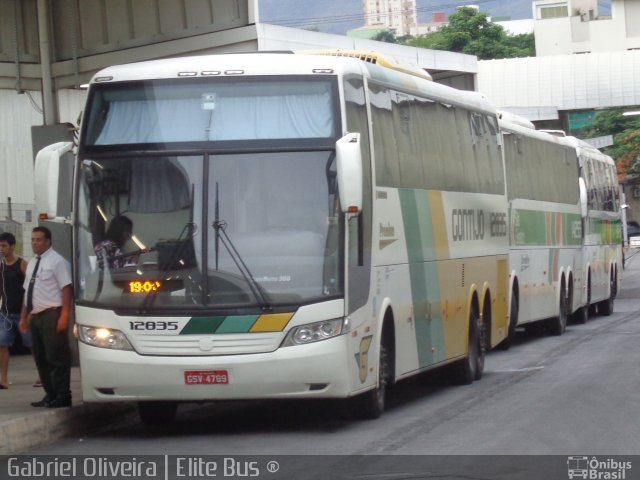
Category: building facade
[400,16]
[575,26]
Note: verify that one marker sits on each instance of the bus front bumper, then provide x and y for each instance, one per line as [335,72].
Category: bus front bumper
[317,370]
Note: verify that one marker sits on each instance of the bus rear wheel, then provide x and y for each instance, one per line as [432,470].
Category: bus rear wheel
[558,325]
[605,307]
[157,413]
[581,315]
[472,366]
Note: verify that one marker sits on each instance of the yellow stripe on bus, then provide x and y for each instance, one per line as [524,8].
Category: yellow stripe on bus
[273,322]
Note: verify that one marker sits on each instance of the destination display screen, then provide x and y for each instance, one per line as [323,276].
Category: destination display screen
[144,286]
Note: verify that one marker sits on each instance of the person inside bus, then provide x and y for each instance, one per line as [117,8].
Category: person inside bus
[118,232]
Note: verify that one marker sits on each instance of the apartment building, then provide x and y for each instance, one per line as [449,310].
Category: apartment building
[397,15]
[575,26]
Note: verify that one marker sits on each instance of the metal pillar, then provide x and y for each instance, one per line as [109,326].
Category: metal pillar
[50,115]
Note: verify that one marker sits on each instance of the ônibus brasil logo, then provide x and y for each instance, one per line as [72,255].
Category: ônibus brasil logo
[597,469]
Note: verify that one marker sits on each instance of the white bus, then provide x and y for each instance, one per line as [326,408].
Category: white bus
[302,226]
[565,228]
[543,188]
[602,239]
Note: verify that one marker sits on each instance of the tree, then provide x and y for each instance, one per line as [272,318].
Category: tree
[386,36]
[471,32]
[628,161]
[626,137]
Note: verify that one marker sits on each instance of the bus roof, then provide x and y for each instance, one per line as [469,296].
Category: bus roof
[258,64]
[527,131]
[512,118]
[585,149]
[374,58]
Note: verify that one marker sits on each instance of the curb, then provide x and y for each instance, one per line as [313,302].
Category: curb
[43,428]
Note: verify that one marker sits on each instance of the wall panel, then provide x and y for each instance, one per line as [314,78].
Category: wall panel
[145,15]
[25,30]
[119,24]
[16,159]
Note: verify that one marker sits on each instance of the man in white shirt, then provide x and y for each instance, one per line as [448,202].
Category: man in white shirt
[48,297]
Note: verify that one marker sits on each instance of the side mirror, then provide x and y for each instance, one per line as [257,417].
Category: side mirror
[349,170]
[53,181]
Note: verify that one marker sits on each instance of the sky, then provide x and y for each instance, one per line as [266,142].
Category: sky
[338,16]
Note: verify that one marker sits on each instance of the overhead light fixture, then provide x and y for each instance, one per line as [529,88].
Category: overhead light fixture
[101,212]
[140,245]
[628,114]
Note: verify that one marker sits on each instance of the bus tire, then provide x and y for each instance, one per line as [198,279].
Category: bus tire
[558,325]
[157,413]
[581,315]
[534,328]
[513,323]
[605,307]
[471,367]
[593,307]
[370,405]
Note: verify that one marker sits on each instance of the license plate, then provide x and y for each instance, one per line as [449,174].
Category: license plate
[206,377]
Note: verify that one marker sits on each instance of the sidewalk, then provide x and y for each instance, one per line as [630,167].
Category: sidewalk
[23,427]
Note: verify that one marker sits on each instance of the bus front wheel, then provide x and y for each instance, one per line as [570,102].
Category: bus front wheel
[157,413]
[371,404]
[513,323]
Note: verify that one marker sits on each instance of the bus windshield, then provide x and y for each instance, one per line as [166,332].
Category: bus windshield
[209,109]
[210,231]
[211,193]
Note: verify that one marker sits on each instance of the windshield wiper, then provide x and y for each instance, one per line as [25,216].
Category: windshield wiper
[221,236]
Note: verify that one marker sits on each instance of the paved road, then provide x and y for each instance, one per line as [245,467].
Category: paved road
[577,394]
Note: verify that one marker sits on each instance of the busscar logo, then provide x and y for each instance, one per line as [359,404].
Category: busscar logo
[362,357]
[597,469]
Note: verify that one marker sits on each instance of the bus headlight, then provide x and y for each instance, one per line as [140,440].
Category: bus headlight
[315,332]
[103,338]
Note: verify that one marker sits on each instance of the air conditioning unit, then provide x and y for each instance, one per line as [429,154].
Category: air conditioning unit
[635,191]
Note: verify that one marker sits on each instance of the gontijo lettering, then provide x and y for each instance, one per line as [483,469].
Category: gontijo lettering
[468,224]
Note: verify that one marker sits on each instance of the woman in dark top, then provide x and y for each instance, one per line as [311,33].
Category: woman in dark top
[12,269]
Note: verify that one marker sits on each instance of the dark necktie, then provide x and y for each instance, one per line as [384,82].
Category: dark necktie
[30,288]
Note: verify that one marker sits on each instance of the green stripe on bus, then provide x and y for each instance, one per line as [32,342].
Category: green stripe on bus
[237,324]
[231,324]
[425,295]
[608,231]
[539,228]
[202,325]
